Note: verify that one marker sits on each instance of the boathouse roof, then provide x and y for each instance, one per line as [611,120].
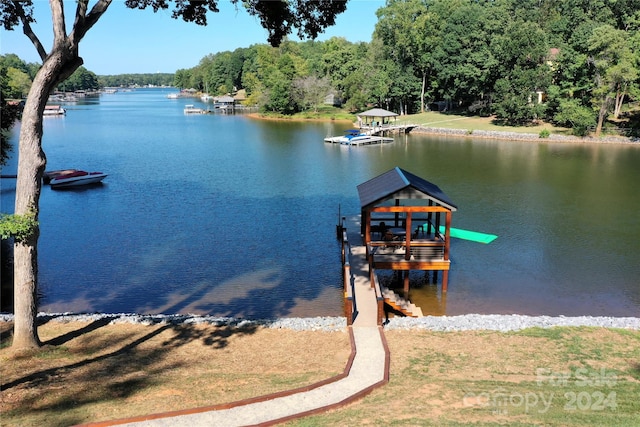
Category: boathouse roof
[400,184]
[377,112]
[225,99]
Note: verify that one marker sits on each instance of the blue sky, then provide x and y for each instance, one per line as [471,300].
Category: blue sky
[139,41]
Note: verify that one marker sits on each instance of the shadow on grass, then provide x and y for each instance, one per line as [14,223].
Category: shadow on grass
[75,334]
[57,394]
[184,334]
[635,370]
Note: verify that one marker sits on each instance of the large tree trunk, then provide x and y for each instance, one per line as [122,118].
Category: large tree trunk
[57,66]
[602,115]
[31,165]
[422,90]
[617,108]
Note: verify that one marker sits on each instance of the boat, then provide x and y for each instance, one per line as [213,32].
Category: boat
[75,178]
[54,110]
[173,95]
[191,109]
[49,175]
[356,137]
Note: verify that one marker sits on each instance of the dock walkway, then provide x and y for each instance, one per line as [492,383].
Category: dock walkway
[367,369]
[388,128]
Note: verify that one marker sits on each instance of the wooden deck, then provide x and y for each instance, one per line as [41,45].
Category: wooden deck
[388,128]
[364,297]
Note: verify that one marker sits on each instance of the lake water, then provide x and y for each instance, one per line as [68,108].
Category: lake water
[231,216]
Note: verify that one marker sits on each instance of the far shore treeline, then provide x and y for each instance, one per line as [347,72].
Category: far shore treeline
[573,63]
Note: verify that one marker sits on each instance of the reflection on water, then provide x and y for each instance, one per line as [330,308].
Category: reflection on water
[225,215]
[424,291]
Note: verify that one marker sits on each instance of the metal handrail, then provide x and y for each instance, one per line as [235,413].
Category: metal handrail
[349,307]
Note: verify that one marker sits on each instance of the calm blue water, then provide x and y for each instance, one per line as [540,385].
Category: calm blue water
[226,215]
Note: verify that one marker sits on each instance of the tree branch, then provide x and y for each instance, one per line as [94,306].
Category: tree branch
[59,27]
[28,31]
[84,24]
[81,12]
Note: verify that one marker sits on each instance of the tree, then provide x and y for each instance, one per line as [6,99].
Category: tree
[400,29]
[19,83]
[523,51]
[81,79]
[10,113]
[181,79]
[311,92]
[63,59]
[614,70]
[279,86]
[578,117]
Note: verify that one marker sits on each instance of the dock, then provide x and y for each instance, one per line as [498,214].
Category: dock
[387,128]
[371,140]
[367,369]
[404,225]
[365,298]
[370,134]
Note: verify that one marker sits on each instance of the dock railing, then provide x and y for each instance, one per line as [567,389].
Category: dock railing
[349,306]
[420,250]
[375,284]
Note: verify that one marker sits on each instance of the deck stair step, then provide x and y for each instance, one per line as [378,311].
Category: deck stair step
[397,302]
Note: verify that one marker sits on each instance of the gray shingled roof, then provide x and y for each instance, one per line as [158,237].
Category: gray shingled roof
[377,112]
[398,180]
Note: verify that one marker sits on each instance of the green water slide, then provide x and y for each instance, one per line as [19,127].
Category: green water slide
[474,236]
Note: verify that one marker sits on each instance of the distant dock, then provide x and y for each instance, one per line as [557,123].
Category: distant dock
[381,129]
[369,140]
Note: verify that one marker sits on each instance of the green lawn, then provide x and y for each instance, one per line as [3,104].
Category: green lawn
[471,123]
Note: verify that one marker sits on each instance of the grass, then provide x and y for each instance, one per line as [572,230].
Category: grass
[427,119]
[97,371]
[534,377]
[474,123]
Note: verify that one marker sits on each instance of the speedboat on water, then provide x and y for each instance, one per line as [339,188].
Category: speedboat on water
[351,135]
[76,178]
[355,137]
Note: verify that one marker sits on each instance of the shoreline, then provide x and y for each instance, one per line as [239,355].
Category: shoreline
[531,137]
[259,116]
[484,134]
[465,322]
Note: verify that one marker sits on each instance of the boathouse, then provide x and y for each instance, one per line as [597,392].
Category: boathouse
[371,117]
[405,224]
[377,121]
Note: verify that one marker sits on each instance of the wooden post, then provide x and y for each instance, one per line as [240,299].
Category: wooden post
[405,275]
[366,226]
[407,238]
[429,219]
[348,297]
[396,215]
[447,234]
[445,279]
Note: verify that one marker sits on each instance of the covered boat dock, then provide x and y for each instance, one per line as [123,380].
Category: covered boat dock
[378,121]
[406,224]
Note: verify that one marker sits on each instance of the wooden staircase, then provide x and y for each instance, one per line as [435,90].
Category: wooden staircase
[404,306]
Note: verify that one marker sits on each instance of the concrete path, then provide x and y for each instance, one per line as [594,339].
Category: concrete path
[367,369]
